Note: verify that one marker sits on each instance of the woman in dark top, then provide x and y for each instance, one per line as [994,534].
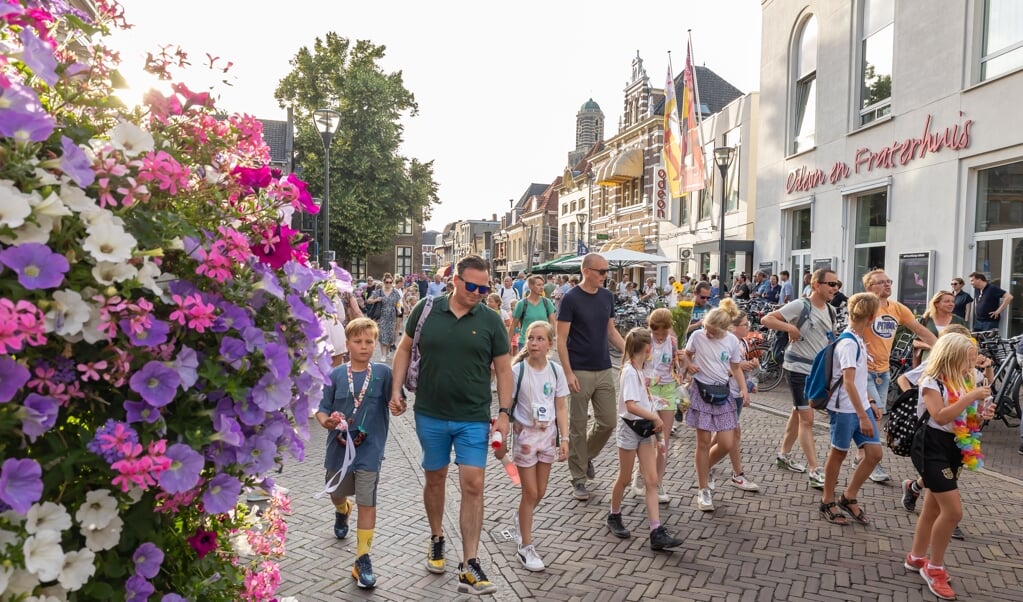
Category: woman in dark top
[963,299]
[774,291]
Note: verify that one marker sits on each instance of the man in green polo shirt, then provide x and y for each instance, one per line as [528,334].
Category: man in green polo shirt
[459,340]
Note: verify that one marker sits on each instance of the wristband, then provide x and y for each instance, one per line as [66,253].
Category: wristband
[504,411]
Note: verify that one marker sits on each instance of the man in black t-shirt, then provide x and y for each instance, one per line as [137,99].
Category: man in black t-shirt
[585,325]
[741,290]
[989,302]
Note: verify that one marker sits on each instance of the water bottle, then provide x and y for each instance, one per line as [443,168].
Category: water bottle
[511,470]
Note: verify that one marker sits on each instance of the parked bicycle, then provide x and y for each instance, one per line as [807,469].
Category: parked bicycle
[1008,378]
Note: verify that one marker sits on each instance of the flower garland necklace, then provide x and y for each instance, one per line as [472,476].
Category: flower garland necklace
[967,429]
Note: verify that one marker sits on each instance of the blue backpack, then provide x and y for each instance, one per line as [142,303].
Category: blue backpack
[819,387]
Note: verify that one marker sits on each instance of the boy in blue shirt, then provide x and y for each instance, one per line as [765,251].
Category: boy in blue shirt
[354,412]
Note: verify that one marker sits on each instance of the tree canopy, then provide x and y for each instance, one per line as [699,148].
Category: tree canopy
[373,188]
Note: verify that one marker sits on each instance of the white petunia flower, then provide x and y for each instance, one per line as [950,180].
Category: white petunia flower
[91,332]
[47,516]
[14,205]
[75,198]
[46,178]
[30,232]
[12,517]
[91,216]
[98,510]
[51,593]
[43,555]
[241,545]
[78,567]
[20,582]
[43,598]
[131,139]
[105,538]
[51,206]
[67,314]
[7,538]
[5,577]
[108,242]
[107,272]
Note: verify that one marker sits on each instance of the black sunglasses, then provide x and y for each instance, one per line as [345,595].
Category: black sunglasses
[705,297]
[832,283]
[602,272]
[472,287]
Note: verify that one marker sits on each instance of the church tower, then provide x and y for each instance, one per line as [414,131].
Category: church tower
[589,130]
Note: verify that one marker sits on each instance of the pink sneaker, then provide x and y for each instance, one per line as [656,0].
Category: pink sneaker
[937,582]
[914,565]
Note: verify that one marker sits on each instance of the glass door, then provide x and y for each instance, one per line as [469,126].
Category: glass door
[1001,260]
[800,263]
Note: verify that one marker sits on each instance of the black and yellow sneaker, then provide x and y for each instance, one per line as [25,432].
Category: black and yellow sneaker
[435,555]
[362,572]
[472,579]
[341,523]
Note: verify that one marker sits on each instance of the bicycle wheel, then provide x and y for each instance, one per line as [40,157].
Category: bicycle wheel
[770,374]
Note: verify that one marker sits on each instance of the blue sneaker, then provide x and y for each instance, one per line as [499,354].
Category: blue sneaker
[362,572]
[341,524]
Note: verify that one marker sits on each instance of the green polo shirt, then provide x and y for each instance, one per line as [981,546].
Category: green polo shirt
[456,353]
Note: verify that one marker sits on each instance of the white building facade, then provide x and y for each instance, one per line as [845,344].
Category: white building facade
[890,136]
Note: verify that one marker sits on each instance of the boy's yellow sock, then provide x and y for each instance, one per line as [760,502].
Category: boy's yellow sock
[365,540]
[344,508]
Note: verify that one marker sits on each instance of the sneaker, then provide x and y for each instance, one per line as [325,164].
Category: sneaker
[614,524]
[957,533]
[786,462]
[878,475]
[530,559]
[362,571]
[740,481]
[435,555]
[705,500]
[580,492]
[711,483]
[341,523]
[914,565]
[937,582]
[909,496]
[817,478]
[590,472]
[662,498]
[257,494]
[472,579]
[638,487]
[660,539]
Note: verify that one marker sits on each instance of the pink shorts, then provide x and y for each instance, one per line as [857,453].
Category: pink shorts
[532,445]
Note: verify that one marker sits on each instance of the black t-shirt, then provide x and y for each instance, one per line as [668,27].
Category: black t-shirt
[988,299]
[741,291]
[587,337]
[838,299]
[962,299]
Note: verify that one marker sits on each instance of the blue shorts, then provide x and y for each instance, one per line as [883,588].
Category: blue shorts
[436,436]
[877,388]
[846,427]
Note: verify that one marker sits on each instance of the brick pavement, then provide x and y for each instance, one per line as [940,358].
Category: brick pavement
[761,546]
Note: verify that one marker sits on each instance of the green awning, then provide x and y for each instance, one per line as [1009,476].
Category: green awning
[554,266]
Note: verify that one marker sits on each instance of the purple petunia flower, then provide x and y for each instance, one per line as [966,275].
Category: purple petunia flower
[233,350]
[173,598]
[37,266]
[342,274]
[75,164]
[228,430]
[155,334]
[186,364]
[21,483]
[231,316]
[277,359]
[35,126]
[138,589]
[326,302]
[13,376]
[148,557]
[269,282]
[38,55]
[254,338]
[299,276]
[257,455]
[272,393]
[221,494]
[248,412]
[138,411]
[19,99]
[300,310]
[183,474]
[38,415]
[156,383]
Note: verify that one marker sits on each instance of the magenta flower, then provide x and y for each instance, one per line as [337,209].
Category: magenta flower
[75,164]
[203,542]
[252,177]
[183,473]
[38,415]
[156,383]
[36,265]
[39,57]
[221,494]
[21,483]
[148,558]
[13,376]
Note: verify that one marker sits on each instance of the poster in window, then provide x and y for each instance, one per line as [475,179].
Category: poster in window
[914,280]
[766,267]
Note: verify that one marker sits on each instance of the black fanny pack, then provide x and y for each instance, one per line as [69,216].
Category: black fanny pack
[643,427]
[713,394]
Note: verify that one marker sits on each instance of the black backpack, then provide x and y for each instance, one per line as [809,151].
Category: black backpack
[902,421]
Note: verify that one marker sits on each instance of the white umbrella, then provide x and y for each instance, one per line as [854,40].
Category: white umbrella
[619,259]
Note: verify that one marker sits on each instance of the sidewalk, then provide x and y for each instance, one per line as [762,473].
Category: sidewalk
[763,546]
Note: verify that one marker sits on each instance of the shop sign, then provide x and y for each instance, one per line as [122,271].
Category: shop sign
[900,152]
[661,201]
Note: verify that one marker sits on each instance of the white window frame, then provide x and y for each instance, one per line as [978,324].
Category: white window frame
[883,107]
[803,133]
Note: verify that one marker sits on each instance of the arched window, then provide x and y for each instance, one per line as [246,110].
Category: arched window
[805,87]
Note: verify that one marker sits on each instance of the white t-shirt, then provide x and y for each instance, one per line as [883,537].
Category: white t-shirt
[733,385]
[714,356]
[845,357]
[507,296]
[632,387]
[658,365]
[539,390]
[928,382]
[914,375]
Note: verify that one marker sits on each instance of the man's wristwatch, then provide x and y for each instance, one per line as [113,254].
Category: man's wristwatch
[504,411]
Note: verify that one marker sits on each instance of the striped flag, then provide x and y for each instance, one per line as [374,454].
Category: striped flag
[693,176]
[672,150]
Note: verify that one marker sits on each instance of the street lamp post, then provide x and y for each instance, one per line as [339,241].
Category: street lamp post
[327,122]
[723,156]
[316,228]
[581,219]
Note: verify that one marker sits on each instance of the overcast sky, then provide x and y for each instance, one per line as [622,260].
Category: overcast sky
[498,84]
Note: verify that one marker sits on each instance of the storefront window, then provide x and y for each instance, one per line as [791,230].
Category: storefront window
[1000,198]
[1003,38]
[801,229]
[871,233]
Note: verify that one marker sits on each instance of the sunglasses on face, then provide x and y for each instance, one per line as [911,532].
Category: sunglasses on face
[388,281]
[358,436]
[705,297]
[833,284]
[472,287]
[602,272]
[956,284]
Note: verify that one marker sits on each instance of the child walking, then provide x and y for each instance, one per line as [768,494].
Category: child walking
[540,415]
[638,435]
[714,356]
[354,412]
[661,368]
[942,446]
[852,418]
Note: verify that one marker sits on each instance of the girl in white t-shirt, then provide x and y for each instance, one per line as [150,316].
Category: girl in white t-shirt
[948,441]
[663,371]
[540,416]
[635,407]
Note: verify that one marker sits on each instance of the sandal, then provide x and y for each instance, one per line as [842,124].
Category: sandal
[844,503]
[828,514]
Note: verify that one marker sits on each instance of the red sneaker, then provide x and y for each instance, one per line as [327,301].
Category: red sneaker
[937,582]
[914,565]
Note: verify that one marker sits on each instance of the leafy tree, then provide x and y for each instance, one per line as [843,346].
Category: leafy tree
[373,188]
